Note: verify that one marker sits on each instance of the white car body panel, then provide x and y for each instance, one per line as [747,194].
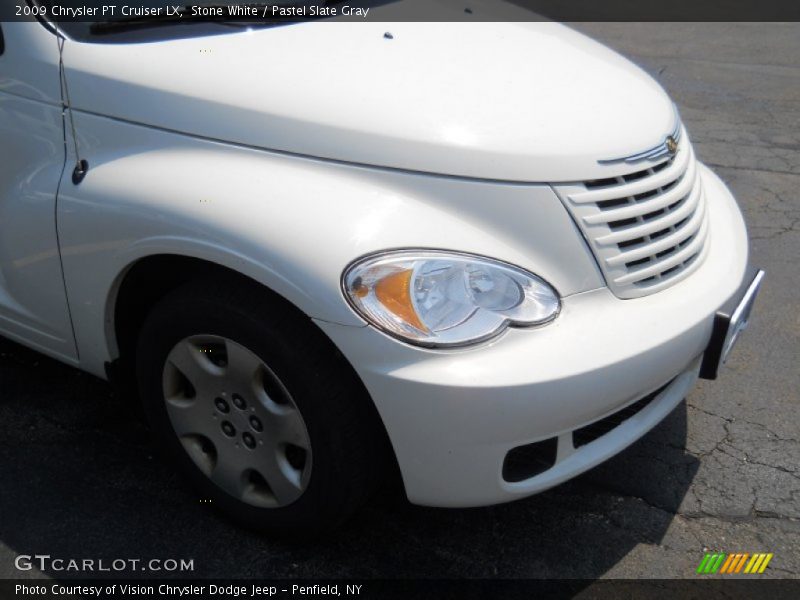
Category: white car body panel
[426,140]
[33,306]
[432,99]
[453,416]
[249,210]
[30,63]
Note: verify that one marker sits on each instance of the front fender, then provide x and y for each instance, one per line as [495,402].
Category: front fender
[290,223]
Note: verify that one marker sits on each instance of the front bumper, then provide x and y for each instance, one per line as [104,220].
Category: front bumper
[453,416]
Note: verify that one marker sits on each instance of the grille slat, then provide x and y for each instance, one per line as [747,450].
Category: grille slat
[655,202]
[666,264]
[665,176]
[673,217]
[647,228]
[674,238]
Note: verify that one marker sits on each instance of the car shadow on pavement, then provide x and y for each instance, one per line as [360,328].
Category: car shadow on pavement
[80,479]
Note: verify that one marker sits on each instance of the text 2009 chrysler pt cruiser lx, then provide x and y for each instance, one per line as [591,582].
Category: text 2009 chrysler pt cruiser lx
[482,255]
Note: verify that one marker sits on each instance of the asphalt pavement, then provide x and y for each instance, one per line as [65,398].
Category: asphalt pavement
[79,477]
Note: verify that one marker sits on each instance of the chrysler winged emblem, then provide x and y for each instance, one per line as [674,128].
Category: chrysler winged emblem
[672,145]
[669,147]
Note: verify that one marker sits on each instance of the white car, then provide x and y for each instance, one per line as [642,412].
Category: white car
[482,256]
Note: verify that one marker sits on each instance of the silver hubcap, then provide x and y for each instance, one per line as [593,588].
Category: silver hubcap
[237,421]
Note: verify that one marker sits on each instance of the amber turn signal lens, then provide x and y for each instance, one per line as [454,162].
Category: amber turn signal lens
[394,292]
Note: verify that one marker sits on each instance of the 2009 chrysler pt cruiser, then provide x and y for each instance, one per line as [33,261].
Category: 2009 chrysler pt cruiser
[483,256]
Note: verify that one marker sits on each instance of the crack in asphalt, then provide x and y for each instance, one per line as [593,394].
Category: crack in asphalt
[725,446]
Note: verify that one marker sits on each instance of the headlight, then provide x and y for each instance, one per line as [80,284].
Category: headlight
[446,299]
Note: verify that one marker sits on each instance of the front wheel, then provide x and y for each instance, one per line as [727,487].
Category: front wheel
[254,405]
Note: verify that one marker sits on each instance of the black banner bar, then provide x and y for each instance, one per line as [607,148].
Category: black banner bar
[705,587]
[407,10]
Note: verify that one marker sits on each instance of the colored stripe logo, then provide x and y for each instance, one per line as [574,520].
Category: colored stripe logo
[743,562]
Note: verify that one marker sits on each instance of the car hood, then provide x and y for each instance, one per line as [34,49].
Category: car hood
[504,101]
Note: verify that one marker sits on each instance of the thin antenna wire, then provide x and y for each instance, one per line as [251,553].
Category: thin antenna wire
[81,166]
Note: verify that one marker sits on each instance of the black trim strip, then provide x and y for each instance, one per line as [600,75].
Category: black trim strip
[709,368]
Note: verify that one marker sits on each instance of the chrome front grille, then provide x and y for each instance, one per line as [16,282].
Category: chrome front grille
[647,228]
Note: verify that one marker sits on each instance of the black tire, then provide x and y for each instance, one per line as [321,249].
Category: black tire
[340,419]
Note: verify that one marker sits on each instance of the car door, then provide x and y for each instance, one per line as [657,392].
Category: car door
[33,303]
